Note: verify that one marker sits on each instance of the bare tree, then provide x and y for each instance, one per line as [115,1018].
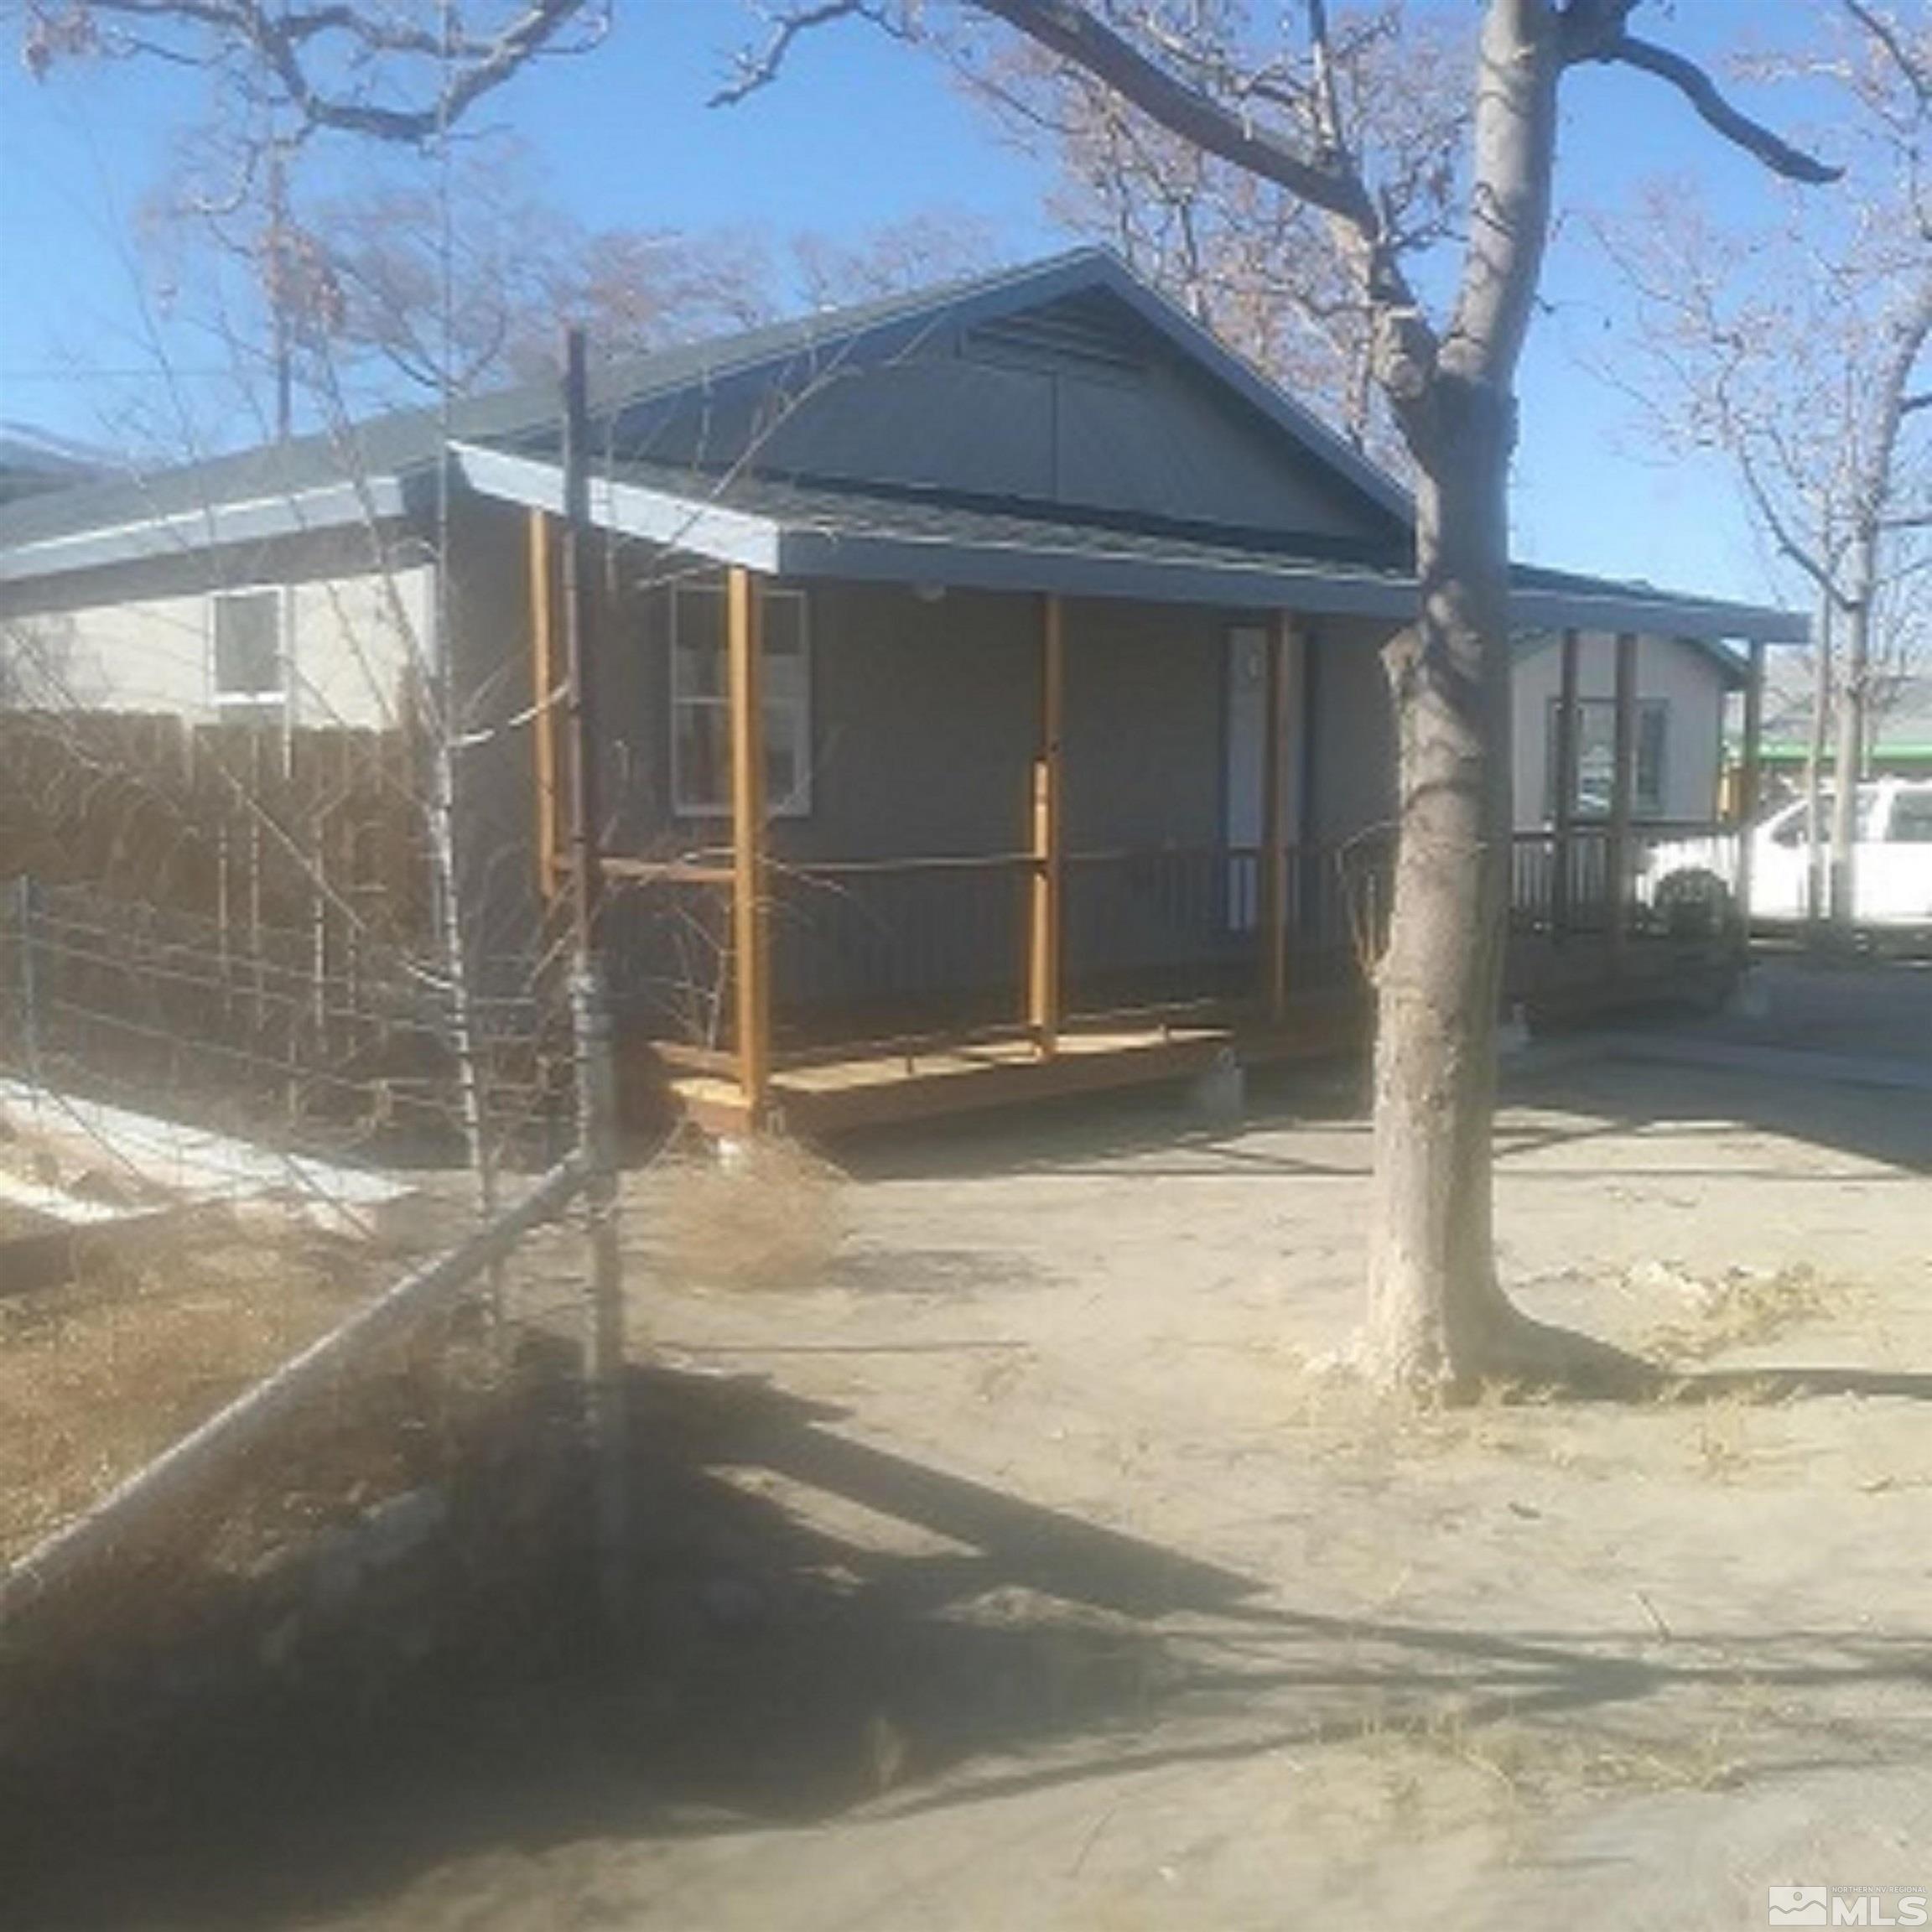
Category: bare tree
[1438,1319]
[407,280]
[931,246]
[1802,351]
[1249,259]
[401,73]
[404,73]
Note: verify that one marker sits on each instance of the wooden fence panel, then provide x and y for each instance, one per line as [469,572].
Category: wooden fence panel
[314,829]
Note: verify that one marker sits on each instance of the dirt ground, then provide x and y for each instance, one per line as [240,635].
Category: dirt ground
[142,1338]
[1017,1563]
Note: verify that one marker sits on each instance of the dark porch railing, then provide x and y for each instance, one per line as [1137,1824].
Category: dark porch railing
[1181,925]
[1545,897]
[867,952]
[897,945]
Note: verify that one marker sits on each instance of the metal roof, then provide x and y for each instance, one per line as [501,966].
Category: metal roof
[381,469]
[801,532]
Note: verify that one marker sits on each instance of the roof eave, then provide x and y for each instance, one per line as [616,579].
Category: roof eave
[1627,607]
[797,549]
[208,526]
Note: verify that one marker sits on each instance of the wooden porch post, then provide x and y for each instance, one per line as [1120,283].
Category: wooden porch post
[542,718]
[1622,776]
[1046,837]
[1274,894]
[751,981]
[1749,775]
[1562,878]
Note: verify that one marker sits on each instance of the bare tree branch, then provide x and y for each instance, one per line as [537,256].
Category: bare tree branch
[1070,31]
[755,70]
[1914,68]
[1701,91]
[324,64]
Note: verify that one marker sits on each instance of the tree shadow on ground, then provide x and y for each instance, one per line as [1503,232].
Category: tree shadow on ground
[1072,1133]
[781,1668]
[1153,1132]
[1617,1096]
[1784,1384]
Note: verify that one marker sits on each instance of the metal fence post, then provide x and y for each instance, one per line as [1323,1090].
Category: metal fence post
[607,1363]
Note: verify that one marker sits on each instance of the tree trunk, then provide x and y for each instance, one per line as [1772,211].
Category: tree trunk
[1438,1323]
[1821,686]
[1434,1309]
[1878,484]
[1849,760]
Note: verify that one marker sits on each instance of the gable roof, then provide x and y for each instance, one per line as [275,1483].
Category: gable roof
[1730,668]
[385,469]
[231,496]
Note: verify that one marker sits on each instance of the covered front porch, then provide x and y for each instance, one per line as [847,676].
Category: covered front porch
[763,977]
[829,973]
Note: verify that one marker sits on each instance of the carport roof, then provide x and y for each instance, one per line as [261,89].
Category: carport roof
[804,531]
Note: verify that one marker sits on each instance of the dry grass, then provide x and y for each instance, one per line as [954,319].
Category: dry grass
[1742,1308]
[99,1374]
[764,1213]
[1525,1767]
[1339,1414]
[17,1221]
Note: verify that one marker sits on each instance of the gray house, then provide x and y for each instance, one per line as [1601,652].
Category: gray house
[989,690]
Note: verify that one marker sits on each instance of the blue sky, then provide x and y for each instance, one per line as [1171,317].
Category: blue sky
[861,132]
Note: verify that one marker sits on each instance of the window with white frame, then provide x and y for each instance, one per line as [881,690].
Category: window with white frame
[1597,757]
[248,655]
[700,714]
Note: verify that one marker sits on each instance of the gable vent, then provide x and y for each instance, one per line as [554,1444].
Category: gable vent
[1085,331]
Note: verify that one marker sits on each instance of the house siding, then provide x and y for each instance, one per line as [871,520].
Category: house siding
[1155,438]
[1678,674]
[352,637]
[1351,734]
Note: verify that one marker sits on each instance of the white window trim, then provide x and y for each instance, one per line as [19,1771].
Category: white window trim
[1640,807]
[798,804]
[256,702]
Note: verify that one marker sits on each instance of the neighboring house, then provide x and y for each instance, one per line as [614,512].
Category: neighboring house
[1682,684]
[31,461]
[1069,711]
[1901,730]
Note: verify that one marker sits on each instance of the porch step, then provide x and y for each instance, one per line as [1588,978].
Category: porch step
[873,1089]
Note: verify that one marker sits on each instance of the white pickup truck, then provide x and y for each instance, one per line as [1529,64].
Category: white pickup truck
[1892,862]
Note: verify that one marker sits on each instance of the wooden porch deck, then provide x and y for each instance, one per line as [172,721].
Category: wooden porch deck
[877,1088]
[887,1084]
[1561,982]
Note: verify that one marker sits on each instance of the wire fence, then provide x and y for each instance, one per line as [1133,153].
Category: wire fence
[288,1400]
